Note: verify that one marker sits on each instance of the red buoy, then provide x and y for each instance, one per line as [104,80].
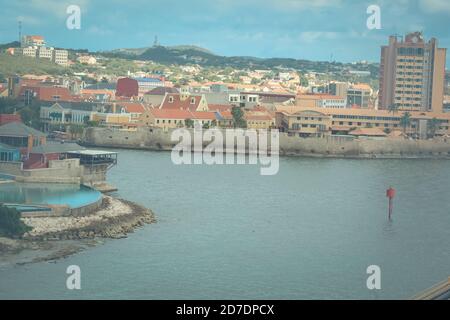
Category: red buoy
[390,193]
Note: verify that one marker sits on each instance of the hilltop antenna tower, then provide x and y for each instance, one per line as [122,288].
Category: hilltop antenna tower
[20,30]
[155,43]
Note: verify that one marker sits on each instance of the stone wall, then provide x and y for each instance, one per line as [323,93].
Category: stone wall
[11,168]
[158,139]
[59,171]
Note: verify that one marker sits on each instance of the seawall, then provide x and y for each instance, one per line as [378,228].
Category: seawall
[342,147]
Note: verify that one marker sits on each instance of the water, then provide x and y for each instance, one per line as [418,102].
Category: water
[225,232]
[41,193]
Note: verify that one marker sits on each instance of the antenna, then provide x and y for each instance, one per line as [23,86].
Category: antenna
[155,43]
[20,30]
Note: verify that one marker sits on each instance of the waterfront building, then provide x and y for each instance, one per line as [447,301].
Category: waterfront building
[345,120]
[40,156]
[134,109]
[64,113]
[177,118]
[412,74]
[9,154]
[369,133]
[7,118]
[18,135]
[259,118]
[305,123]
[184,101]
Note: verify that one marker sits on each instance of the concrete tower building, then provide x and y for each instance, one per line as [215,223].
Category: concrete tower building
[412,74]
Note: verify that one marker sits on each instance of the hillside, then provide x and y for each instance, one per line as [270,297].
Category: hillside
[14,44]
[12,65]
[182,55]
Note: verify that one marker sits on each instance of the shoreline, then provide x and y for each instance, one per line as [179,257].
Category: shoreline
[301,154]
[54,238]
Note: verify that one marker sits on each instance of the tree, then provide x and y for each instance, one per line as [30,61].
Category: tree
[393,108]
[189,123]
[432,126]
[76,131]
[405,121]
[238,117]
[10,223]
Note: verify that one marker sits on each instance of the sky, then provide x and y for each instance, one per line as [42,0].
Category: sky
[302,29]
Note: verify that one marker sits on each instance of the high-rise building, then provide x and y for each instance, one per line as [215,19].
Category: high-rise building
[412,74]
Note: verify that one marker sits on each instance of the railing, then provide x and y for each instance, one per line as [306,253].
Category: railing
[440,291]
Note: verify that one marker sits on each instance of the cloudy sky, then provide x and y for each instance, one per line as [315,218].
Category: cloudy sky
[302,29]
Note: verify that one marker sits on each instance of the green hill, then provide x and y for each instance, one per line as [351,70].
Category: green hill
[12,65]
[181,55]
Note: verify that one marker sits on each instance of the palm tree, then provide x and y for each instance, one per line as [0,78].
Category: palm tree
[405,121]
[393,108]
[432,127]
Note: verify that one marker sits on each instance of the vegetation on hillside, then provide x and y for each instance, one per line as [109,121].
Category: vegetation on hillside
[13,65]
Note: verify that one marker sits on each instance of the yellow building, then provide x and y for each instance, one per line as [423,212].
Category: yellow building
[346,120]
[176,118]
[305,123]
[259,118]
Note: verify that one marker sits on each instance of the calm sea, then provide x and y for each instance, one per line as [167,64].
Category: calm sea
[226,232]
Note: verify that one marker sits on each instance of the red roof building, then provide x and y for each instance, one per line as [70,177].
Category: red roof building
[7,118]
[185,102]
[45,93]
[127,87]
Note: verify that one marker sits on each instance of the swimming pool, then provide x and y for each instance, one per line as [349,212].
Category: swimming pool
[75,196]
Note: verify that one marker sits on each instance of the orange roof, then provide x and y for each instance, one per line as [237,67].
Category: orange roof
[36,37]
[133,107]
[289,109]
[171,113]
[219,107]
[182,114]
[361,86]
[258,115]
[177,103]
[373,132]
[318,97]
[48,93]
[203,115]
[227,115]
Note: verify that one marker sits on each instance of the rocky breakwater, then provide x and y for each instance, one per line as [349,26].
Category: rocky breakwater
[115,219]
[54,238]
